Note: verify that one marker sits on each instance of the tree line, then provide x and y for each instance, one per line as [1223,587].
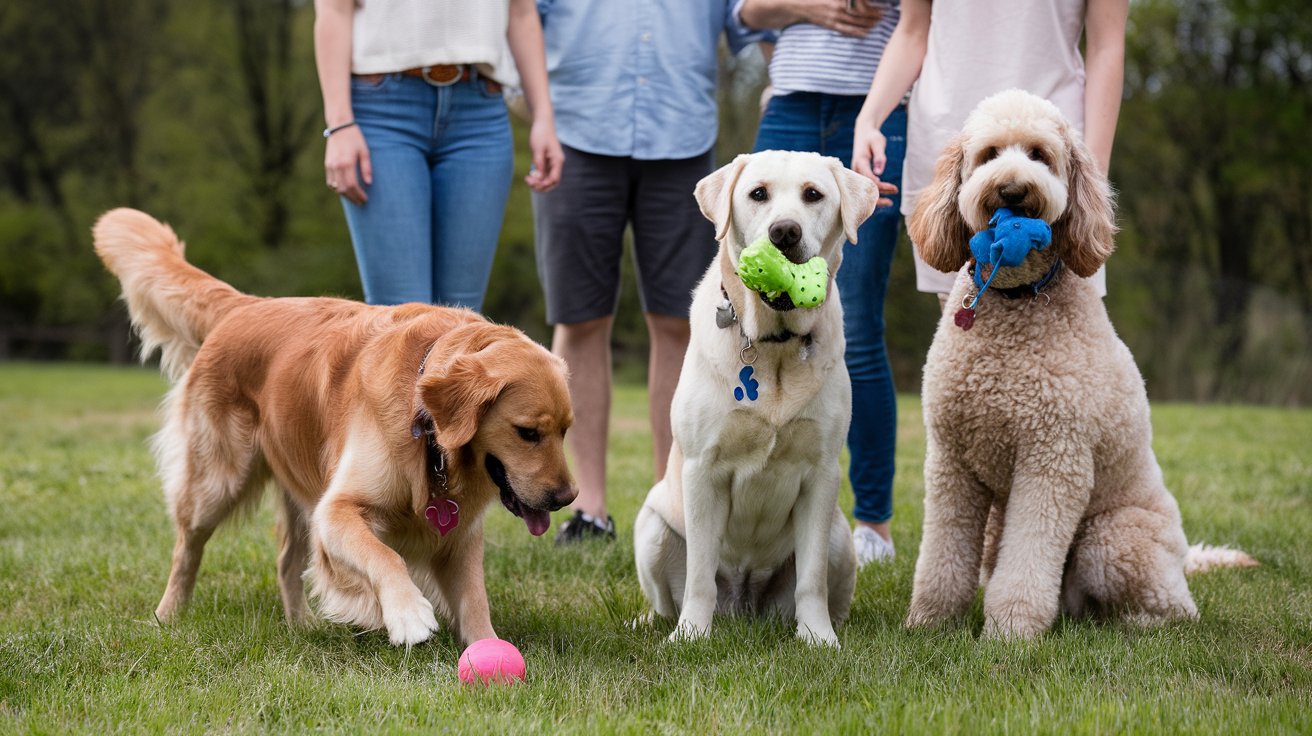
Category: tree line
[207,115]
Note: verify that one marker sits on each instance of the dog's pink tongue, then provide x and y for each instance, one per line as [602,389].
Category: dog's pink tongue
[538,521]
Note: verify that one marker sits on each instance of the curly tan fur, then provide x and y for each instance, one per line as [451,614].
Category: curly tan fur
[936,226]
[1040,478]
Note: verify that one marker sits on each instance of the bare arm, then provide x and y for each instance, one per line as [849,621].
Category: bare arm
[898,70]
[1104,29]
[346,151]
[832,14]
[525,37]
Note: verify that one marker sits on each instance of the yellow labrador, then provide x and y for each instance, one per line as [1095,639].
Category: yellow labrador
[746,519]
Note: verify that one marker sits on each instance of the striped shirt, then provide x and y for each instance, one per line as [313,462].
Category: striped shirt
[809,58]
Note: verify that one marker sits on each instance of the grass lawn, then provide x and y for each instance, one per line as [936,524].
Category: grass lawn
[85,544]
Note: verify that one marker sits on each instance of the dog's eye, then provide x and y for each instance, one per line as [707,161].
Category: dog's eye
[811,194]
[759,194]
[988,154]
[1038,154]
[528,434]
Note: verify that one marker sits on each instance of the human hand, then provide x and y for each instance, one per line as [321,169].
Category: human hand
[345,153]
[868,143]
[548,158]
[848,18]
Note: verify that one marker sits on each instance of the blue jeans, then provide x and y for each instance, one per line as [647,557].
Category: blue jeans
[442,161]
[824,124]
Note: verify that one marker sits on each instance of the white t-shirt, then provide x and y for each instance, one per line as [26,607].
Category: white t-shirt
[395,35]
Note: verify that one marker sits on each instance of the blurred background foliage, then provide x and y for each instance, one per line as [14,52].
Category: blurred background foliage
[207,114]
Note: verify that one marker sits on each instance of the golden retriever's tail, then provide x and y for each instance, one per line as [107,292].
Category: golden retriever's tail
[1204,557]
[173,304]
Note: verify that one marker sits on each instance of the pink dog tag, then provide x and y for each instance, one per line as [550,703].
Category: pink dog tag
[443,514]
[965,318]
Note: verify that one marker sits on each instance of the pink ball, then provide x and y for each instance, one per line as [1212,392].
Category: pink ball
[491,660]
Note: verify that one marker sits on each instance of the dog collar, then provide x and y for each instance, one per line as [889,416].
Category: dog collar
[442,513]
[965,317]
[726,316]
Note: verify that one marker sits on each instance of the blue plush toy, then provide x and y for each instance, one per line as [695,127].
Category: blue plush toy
[1005,244]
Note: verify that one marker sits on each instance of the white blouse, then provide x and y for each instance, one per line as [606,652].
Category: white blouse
[395,35]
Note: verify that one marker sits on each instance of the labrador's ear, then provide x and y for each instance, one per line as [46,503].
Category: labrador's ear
[857,198]
[1083,235]
[715,193]
[936,227]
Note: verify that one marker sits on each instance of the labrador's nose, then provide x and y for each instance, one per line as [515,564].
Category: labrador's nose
[787,237]
[785,233]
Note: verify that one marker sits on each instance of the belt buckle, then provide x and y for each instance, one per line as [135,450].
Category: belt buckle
[443,75]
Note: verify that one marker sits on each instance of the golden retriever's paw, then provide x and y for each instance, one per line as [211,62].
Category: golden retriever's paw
[822,637]
[411,622]
[689,631]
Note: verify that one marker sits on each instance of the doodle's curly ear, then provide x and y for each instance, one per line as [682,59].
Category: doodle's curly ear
[715,193]
[936,226]
[1084,234]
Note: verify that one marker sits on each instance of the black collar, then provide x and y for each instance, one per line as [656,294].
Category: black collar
[434,455]
[729,316]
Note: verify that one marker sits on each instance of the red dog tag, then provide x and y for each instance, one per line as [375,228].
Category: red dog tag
[965,318]
[443,514]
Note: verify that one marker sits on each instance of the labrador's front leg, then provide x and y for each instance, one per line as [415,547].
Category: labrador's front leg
[706,512]
[811,527]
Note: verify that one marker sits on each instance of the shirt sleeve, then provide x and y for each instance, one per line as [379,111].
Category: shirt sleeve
[544,7]
[737,33]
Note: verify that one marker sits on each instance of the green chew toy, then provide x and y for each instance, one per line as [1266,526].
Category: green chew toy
[763,268]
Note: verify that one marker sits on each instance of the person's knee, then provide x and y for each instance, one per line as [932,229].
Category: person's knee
[668,328]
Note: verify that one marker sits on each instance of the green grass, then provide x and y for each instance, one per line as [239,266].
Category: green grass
[84,547]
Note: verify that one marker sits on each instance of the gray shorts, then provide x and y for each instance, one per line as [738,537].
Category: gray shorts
[579,232]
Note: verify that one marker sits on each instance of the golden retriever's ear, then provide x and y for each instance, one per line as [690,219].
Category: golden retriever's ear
[936,227]
[857,197]
[456,394]
[715,193]
[1083,234]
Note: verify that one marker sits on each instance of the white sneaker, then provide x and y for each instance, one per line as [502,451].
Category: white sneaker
[870,547]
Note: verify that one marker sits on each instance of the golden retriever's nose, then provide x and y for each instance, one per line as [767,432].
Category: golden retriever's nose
[787,237]
[1013,193]
[562,497]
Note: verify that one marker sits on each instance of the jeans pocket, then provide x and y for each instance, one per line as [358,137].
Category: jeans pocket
[488,89]
[367,83]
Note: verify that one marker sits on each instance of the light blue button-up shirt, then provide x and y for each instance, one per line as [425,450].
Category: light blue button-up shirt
[637,77]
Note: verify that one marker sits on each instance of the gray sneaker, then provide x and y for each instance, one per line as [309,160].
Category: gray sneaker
[870,547]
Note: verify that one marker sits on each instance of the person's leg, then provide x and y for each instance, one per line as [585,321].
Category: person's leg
[863,284]
[579,231]
[585,347]
[791,123]
[669,341]
[391,232]
[473,161]
[673,246]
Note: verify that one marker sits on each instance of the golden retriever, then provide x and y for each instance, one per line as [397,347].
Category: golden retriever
[747,520]
[388,431]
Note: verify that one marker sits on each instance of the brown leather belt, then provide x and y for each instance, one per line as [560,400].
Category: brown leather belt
[440,75]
